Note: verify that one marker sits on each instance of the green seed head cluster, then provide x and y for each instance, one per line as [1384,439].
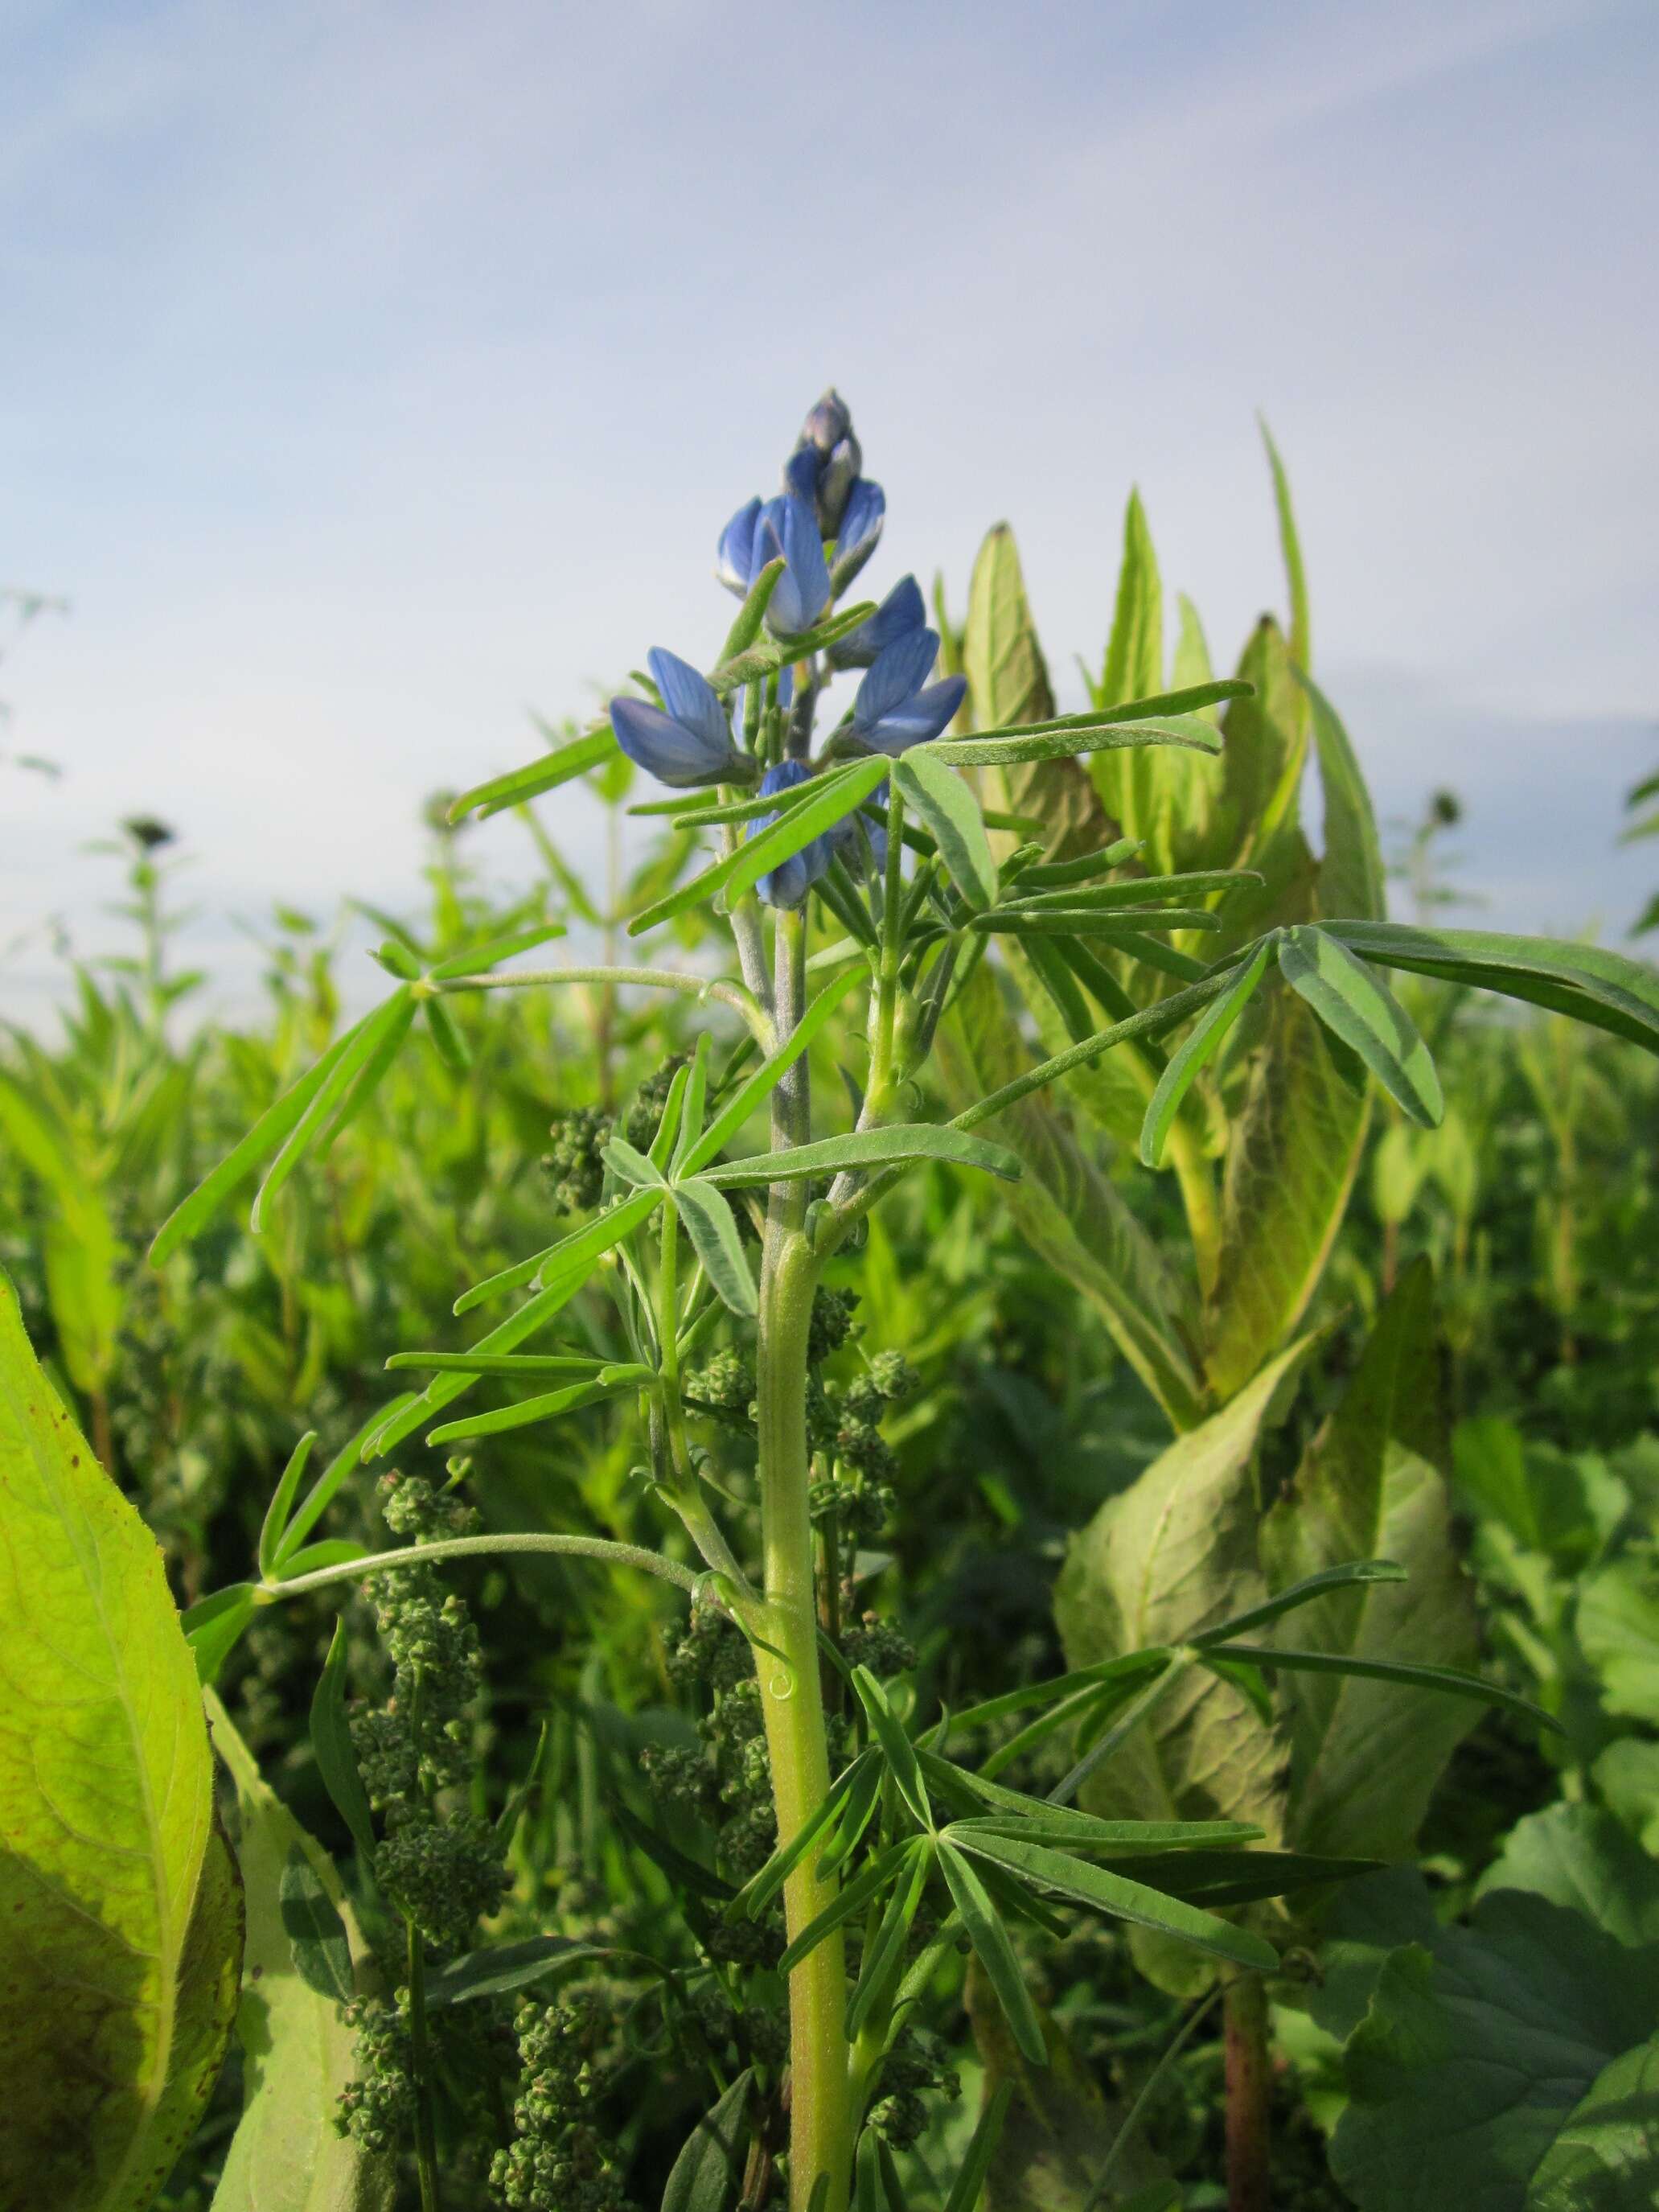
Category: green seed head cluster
[574,1171]
[378,2107]
[558,2160]
[441,1874]
[913,2070]
[878,1644]
[725,1386]
[831,1324]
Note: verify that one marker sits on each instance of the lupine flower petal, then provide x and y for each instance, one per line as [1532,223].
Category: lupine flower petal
[664,748]
[898,673]
[689,699]
[789,526]
[860,529]
[901,611]
[735,564]
[919,719]
[801,473]
[839,475]
[828,423]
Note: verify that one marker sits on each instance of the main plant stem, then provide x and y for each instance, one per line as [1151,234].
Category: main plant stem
[1248,2087]
[820,2103]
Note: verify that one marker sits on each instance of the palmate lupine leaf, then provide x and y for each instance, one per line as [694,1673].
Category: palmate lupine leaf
[883,1957]
[952,812]
[870,1148]
[1603,989]
[863,1888]
[896,1747]
[1115,1894]
[1353,1002]
[1195,1052]
[761,1888]
[562,765]
[713,1228]
[827,799]
[994,1952]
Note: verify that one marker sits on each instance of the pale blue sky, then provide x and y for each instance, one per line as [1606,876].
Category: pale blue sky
[369,373]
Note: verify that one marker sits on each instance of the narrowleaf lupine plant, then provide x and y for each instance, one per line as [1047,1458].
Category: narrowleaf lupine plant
[853,870]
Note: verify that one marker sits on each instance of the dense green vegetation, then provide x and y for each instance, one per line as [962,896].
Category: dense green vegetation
[1053,1424]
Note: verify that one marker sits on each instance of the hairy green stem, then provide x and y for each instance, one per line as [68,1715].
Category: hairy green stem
[464,1548]
[820,2104]
[1249,2085]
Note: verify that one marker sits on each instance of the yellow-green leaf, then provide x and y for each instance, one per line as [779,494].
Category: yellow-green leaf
[120,1926]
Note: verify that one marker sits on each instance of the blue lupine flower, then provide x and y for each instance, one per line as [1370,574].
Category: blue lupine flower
[860,528]
[688,744]
[892,711]
[899,613]
[787,525]
[788,884]
[734,562]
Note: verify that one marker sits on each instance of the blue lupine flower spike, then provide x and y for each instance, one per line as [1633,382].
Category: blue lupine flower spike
[788,884]
[827,462]
[899,613]
[787,525]
[892,710]
[686,741]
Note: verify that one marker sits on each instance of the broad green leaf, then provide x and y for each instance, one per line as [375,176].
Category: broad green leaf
[1372,1485]
[1135,653]
[122,1923]
[330,1742]
[1059,2129]
[767,1076]
[1617,1625]
[1117,1895]
[1300,637]
[1195,1052]
[713,1228]
[1008,685]
[995,1953]
[1351,1001]
[1350,873]
[1478,2045]
[1580,1856]
[275,1124]
[317,1935]
[365,1049]
[562,765]
[297,2052]
[1606,2158]
[1292,1155]
[1068,1211]
[871,1148]
[81,1251]
[1172,1555]
[944,802]
[707,2169]
[500,1968]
